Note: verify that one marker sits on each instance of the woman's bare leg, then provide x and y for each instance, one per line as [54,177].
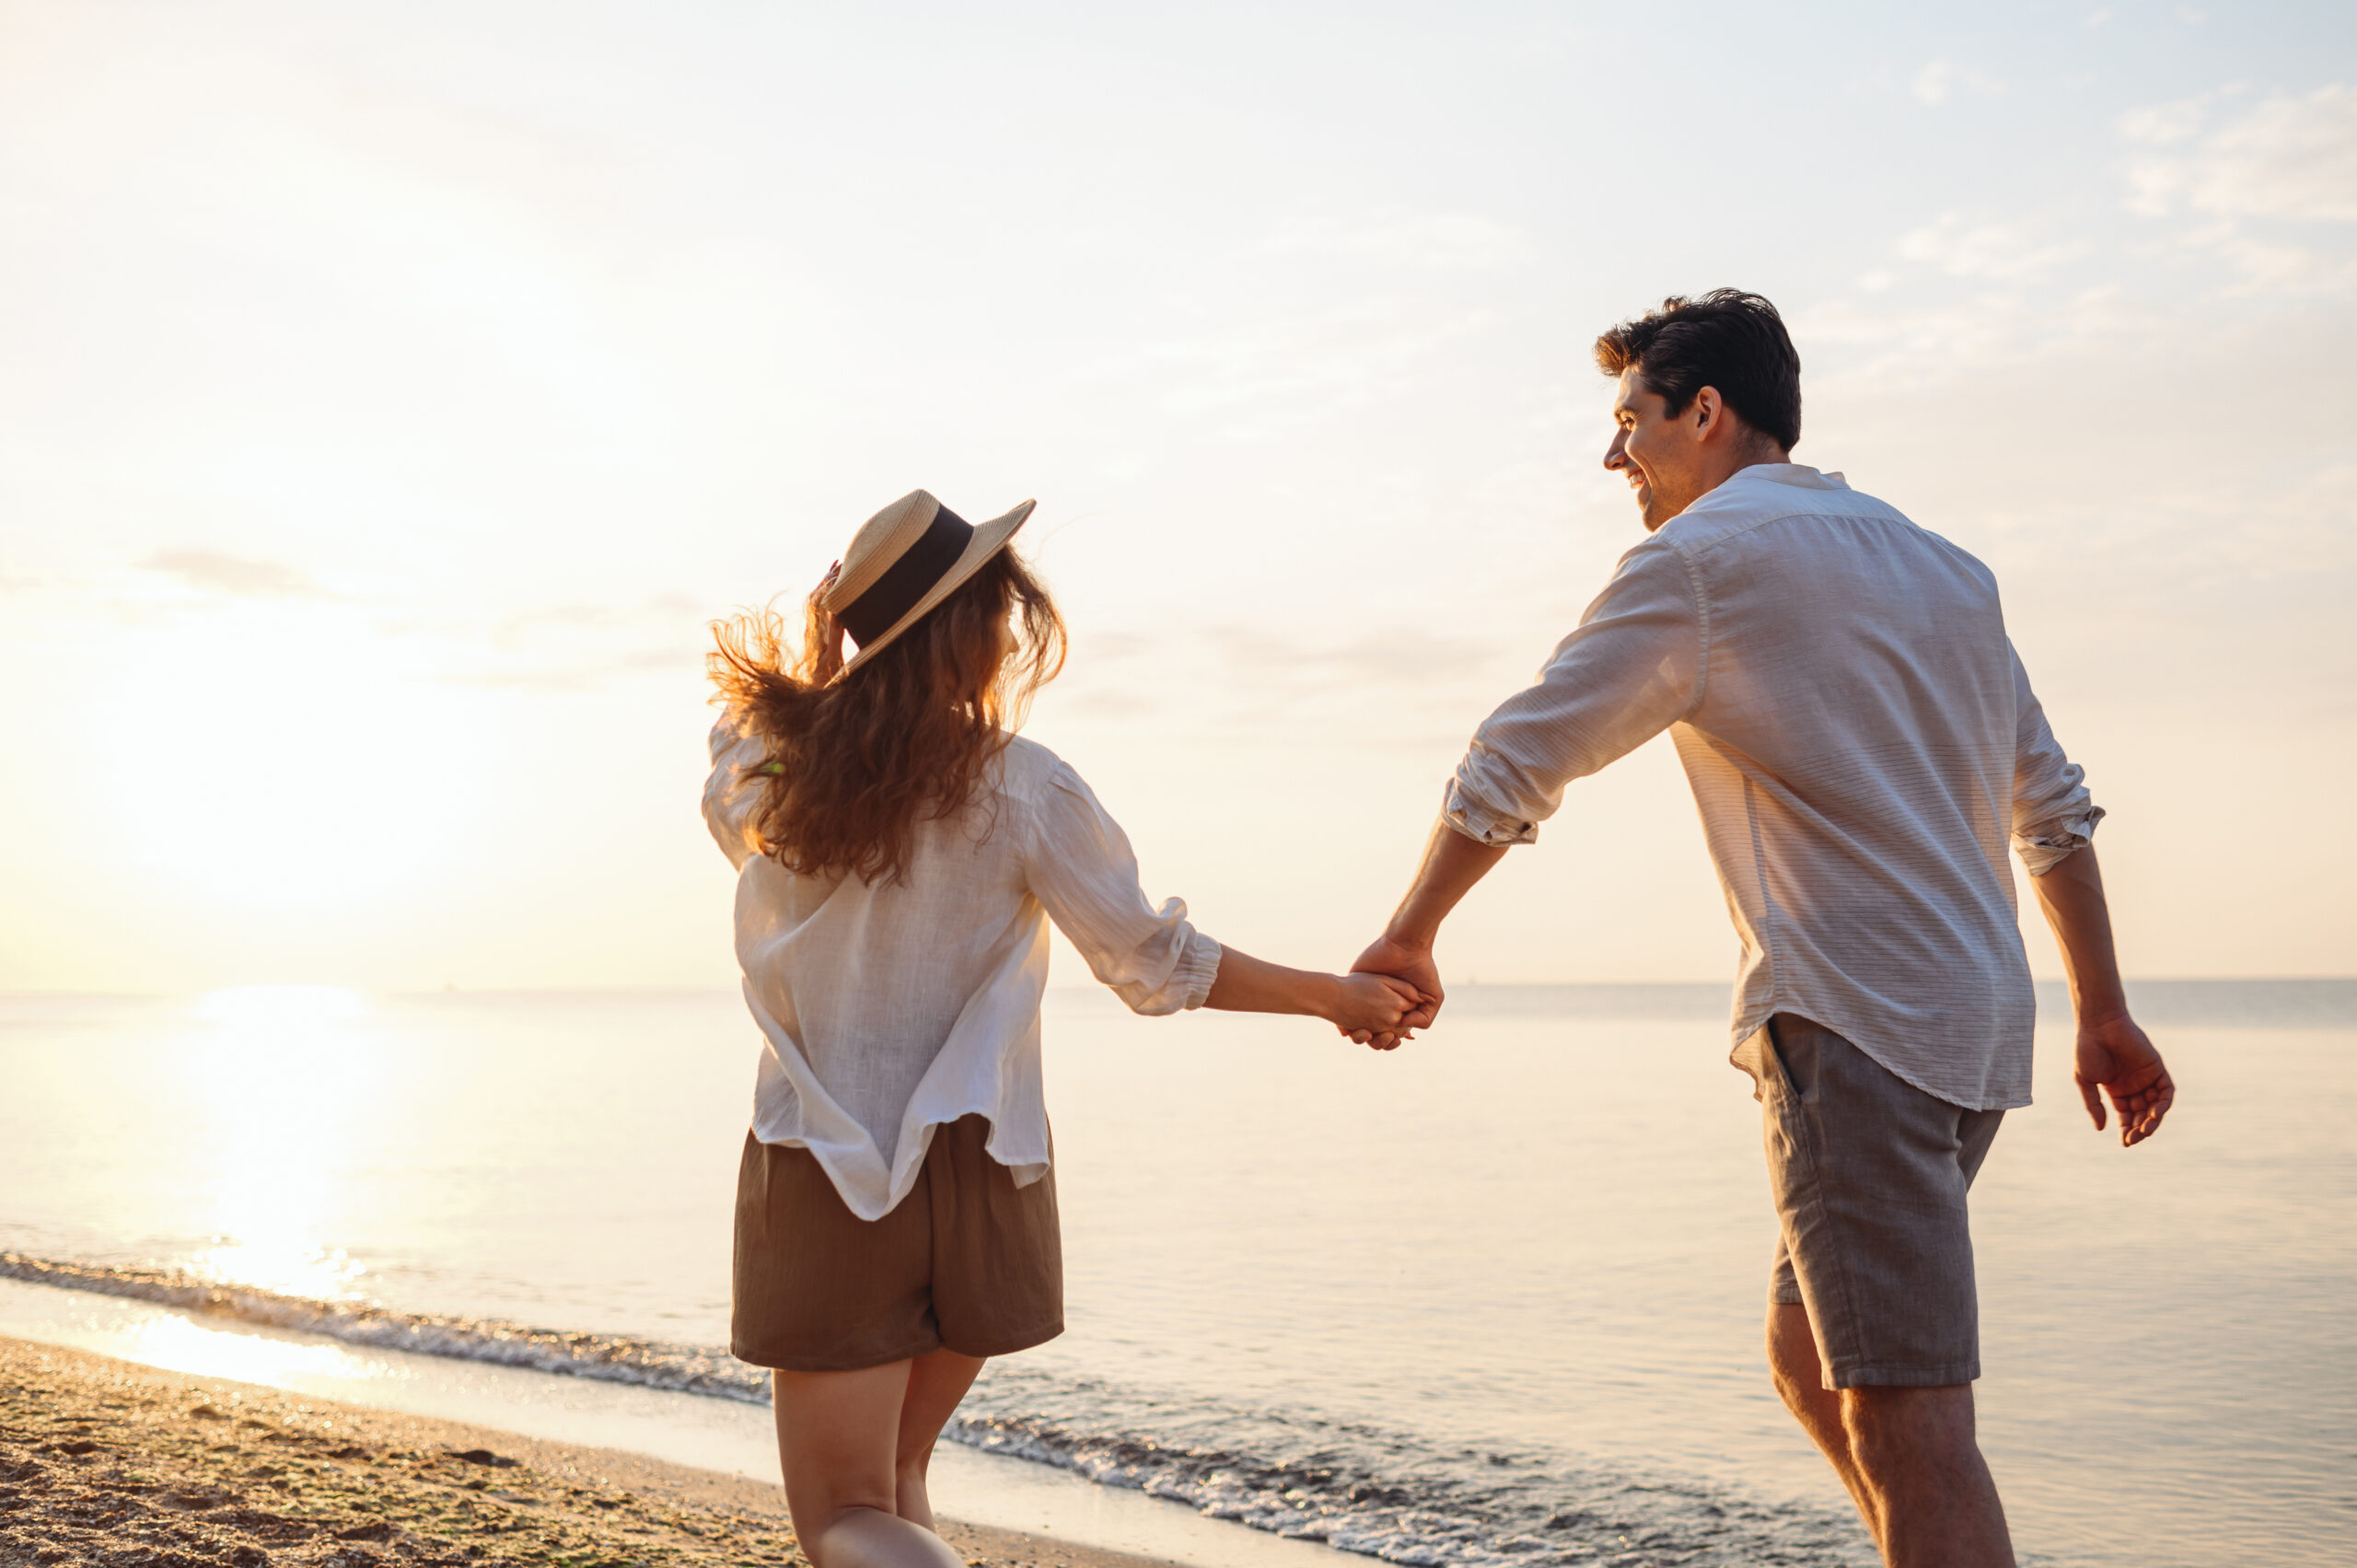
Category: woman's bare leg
[937,1383]
[838,1441]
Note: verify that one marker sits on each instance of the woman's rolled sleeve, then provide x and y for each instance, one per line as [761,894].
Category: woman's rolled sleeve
[1081,868]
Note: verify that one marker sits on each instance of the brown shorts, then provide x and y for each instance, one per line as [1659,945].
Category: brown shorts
[968,1260]
[1869,1174]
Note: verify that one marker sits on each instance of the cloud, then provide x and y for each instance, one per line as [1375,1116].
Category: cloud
[2289,158]
[1904,327]
[1307,370]
[576,648]
[1387,686]
[2308,530]
[2255,185]
[2252,191]
[1966,250]
[1902,343]
[1436,241]
[1939,81]
[591,674]
[553,647]
[233,576]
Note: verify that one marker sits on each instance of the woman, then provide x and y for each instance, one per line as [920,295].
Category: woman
[900,852]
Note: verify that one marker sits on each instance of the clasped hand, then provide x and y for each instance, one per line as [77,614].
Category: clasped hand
[1408,972]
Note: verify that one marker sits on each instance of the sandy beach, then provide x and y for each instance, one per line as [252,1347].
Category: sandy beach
[106,1463]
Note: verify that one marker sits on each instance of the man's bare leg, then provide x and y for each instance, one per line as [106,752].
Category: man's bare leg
[1925,1479]
[1800,1382]
[1909,1456]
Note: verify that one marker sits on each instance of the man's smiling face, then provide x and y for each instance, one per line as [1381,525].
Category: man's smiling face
[1656,453]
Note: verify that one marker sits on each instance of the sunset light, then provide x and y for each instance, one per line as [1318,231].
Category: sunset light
[285,756]
[1681,895]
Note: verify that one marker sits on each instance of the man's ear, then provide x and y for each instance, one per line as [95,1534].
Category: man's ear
[1708,410]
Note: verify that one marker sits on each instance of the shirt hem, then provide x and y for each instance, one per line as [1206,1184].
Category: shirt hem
[1025,1171]
[1743,1031]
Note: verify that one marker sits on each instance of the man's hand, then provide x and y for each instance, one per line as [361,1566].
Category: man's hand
[1452,863]
[2114,1058]
[1412,962]
[1374,1009]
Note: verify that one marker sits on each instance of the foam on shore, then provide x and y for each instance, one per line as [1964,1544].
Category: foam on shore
[1384,1494]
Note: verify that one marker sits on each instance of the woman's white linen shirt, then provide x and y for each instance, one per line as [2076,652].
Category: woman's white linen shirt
[888,1009]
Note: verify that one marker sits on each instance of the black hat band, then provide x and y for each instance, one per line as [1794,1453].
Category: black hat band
[879,608]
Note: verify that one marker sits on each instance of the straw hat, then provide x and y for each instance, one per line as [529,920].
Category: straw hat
[906,559]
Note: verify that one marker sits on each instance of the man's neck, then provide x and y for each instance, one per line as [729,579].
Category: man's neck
[1753,456]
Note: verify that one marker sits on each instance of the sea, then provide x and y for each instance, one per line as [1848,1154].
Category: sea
[1494,1298]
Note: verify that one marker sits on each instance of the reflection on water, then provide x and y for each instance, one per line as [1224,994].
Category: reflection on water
[281,1075]
[263,1008]
[180,1344]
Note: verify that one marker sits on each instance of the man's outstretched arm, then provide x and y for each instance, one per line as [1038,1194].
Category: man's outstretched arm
[2114,1056]
[1452,863]
[1631,666]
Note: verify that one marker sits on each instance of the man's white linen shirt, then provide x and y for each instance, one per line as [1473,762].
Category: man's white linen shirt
[1861,742]
[888,1009]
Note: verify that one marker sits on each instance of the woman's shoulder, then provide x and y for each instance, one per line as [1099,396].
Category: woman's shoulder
[1045,786]
[1028,770]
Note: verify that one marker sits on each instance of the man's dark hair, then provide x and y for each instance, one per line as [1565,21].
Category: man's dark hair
[1726,339]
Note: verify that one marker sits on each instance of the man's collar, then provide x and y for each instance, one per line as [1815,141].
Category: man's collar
[1733,491]
[1798,475]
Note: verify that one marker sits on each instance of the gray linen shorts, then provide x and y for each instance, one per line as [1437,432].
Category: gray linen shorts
[1869,1174]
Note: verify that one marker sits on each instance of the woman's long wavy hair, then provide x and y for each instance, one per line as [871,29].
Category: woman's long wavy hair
[850,766]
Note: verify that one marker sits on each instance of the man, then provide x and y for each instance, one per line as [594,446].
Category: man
[1861,742]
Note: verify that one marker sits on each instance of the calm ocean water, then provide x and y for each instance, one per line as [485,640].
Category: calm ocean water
[1493,1298]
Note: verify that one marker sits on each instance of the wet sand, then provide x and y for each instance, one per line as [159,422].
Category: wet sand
[114,1465]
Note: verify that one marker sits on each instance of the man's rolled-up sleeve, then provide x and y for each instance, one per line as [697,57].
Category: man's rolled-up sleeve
[2054,816]
[1635,665]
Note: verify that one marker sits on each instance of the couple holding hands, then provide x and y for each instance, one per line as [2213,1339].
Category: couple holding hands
[1863,747]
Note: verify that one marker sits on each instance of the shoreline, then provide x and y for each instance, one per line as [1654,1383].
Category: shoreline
[107,1462]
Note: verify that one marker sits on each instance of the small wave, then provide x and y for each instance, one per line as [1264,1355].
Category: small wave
[1380,1494]
[1389,1494]
[614,1358]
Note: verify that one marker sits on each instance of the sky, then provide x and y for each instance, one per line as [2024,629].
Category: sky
[391,395]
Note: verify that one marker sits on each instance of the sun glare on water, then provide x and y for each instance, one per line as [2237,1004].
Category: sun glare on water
[260,1012]
[283,1074]
[180,1344]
